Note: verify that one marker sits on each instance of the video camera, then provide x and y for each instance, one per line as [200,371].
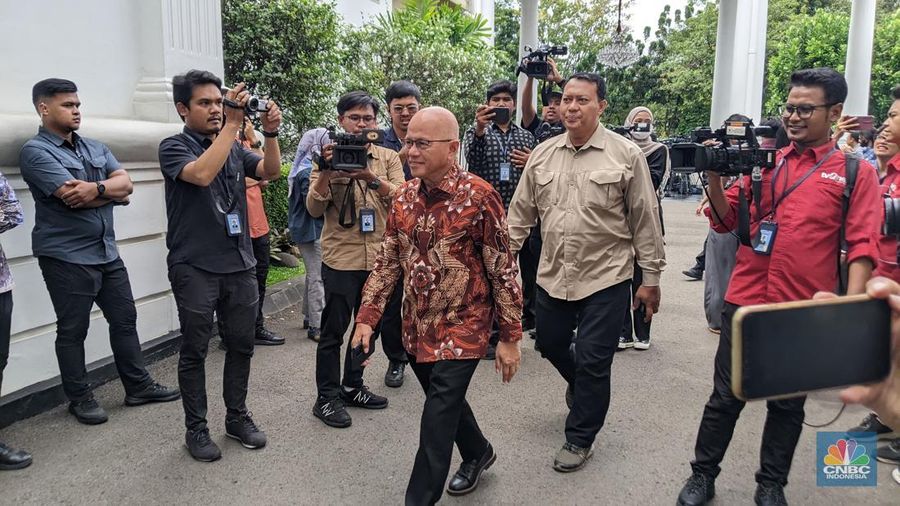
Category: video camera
[350,152]
[738,152]
[535,63]
[637,127]
[546,131]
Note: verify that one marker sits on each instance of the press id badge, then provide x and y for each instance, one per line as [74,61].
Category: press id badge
[767,230]
[504,171]
[233,224]
[366,220]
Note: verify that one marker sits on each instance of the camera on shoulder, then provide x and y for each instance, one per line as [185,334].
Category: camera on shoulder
[738,152]
[637,127]
[535,64]
[350,150]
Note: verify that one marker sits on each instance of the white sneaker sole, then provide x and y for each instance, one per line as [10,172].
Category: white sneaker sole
[896,475]
[245,445]
[641,346]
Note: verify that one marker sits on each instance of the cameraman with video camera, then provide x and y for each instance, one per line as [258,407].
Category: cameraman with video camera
[798,213]
[351,185]
[550,123]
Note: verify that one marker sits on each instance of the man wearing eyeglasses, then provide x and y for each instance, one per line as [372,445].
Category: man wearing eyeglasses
[447,238]
[355,206]
[403,100]
[800,209]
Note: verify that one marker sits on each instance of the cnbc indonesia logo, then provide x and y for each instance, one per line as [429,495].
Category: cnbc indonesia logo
[846,461]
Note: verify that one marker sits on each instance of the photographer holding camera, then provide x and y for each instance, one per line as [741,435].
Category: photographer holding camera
[549,124]
[212,268]
[497,150]
[355,204]
[798,214]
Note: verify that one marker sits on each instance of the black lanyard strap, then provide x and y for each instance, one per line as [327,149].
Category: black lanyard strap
[797,183]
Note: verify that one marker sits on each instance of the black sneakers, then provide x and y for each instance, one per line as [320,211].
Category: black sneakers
[698,490]
[625,343]
[695,273]
[244,430]
[394,375]
[265,337]
[871,423]
[466,478]
[200,446]
[153,393]
[88,412]
[11,459]
[363,398]
[313,334]
[769,493]
[572,458]
[889,454]
[332,412]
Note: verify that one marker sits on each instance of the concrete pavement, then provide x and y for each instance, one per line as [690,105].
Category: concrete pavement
[641,457]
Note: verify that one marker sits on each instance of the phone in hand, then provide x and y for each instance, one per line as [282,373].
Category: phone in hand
[865,123]
[789,349]
[358,356]
[501,115]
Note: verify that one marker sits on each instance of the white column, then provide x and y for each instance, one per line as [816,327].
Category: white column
[740,60]
[528,36]
[176,36]
[858,70]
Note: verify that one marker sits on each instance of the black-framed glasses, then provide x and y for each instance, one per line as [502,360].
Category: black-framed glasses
[423,144]
[803,111]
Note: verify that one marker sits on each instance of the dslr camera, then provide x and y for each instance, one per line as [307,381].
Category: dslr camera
[637,127]
[738,152]
[350,152]
[535,64]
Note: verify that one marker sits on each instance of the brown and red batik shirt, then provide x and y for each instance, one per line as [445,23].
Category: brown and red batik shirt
[451,245]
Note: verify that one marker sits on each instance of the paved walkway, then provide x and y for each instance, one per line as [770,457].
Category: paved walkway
[641,459]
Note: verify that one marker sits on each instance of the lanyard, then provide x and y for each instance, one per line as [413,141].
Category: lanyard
[787,191]
[504,146]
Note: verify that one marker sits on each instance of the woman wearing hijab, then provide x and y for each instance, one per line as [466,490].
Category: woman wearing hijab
[657,155]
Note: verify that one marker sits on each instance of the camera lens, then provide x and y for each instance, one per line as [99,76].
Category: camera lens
[253,103]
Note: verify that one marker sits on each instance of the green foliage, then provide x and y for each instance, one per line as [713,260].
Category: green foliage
[441,53]
[506,35]
[289,50]
[275,200]
[885,63]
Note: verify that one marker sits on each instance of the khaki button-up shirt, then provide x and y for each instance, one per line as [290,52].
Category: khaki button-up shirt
[348,249]
[598,211]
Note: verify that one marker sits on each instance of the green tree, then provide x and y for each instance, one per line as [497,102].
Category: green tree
[885,63]
[441,53]
[506,35]
[288,50]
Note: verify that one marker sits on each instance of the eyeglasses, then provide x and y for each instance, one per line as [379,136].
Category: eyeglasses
[412,109]
[803,111]
[423,144]
[356,118]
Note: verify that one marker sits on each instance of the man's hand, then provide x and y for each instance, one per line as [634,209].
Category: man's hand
[508,358]
[362,336]
[271,120]
[363,174]
[648,296]
[403,153]
[882,398]
[483,117]
[553,74]
[77,193]
[844,125]
[235,115]
[520,157]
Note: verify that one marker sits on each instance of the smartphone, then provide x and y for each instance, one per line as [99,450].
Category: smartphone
[501,115]
[789,349]
[358,356]
[865,123]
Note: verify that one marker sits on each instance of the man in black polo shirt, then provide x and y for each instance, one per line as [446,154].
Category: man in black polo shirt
[75,182]
[211,262]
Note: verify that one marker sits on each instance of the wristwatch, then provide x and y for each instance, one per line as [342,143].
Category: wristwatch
[374,184]
[101,188]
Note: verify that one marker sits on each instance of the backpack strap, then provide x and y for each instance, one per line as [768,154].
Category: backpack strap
[851,168]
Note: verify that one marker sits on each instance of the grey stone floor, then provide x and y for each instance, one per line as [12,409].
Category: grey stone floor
[641,459]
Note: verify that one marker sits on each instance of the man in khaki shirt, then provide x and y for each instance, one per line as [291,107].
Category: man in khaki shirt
[351,202]
[592,192]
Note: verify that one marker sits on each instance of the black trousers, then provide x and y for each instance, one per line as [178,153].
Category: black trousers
[261,252]
[599,318]
[784,421]
[640,328]
[446,418]
[701,258]
[199,294]
[6,307]
[343,295]
[73,291]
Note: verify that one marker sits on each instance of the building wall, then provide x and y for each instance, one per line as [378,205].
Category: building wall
[122,55]
[357,12]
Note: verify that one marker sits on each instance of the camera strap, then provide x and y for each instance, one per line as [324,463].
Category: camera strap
[349,204]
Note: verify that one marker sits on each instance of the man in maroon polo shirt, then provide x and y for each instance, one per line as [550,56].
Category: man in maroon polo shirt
[801,204]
